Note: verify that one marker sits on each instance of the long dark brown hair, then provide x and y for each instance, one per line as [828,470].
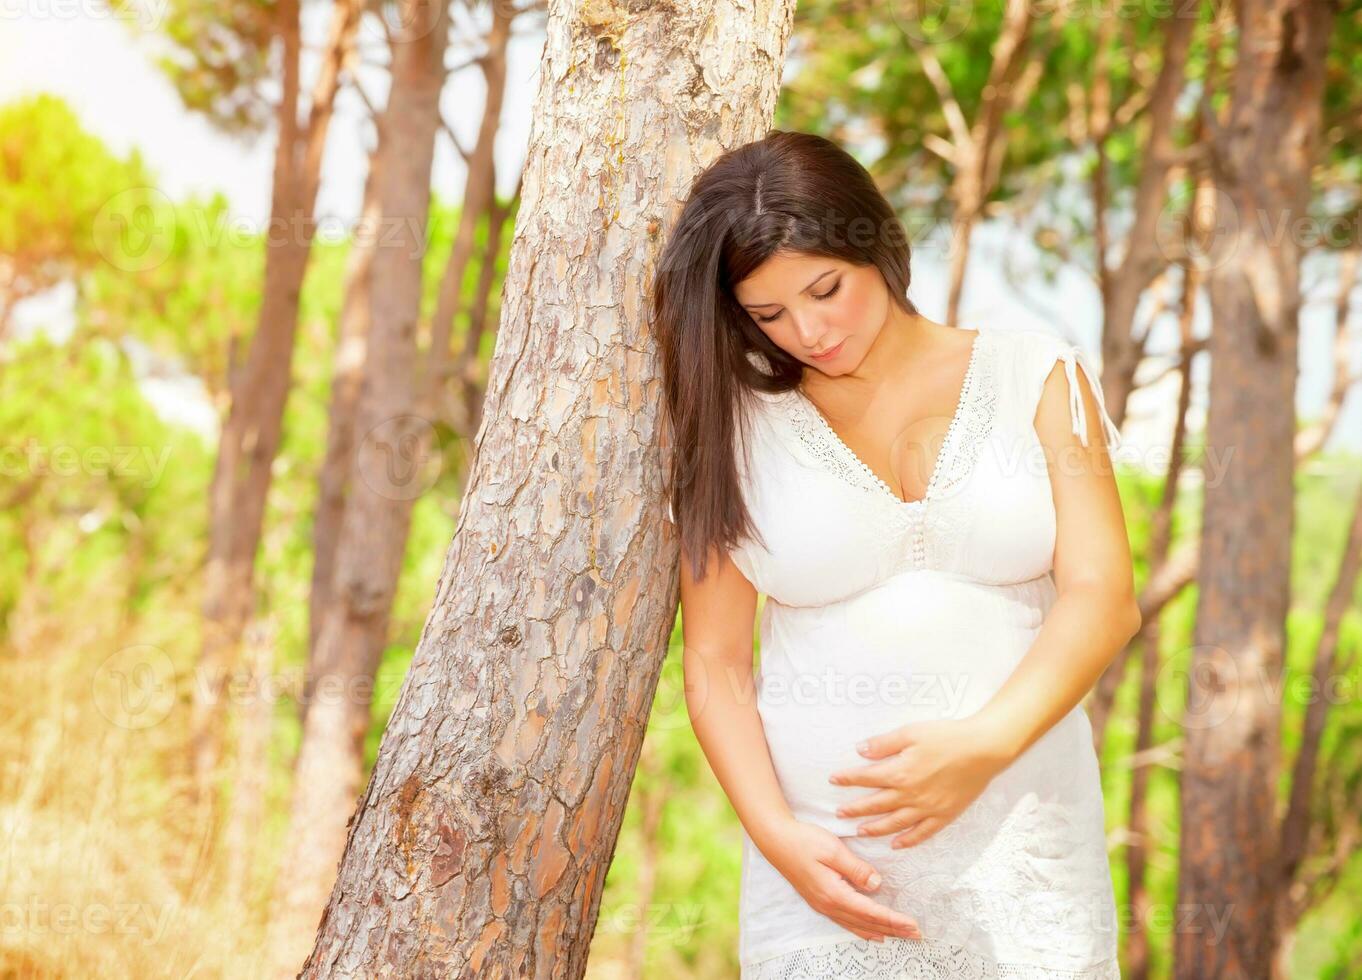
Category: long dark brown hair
[787,192]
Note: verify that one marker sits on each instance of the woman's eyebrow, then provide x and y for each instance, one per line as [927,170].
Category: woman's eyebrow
[757,306]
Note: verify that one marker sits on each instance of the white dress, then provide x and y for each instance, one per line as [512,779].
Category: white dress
[880,612]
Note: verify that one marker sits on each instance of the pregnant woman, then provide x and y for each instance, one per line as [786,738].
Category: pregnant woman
[932,517]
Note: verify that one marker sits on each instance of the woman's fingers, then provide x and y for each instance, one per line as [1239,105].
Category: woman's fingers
[850,926]
[847,903]
[837,883]
[884,801]
[902,819]
[918,832]
[854,869]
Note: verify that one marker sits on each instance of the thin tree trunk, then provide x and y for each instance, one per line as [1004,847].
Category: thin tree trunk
[251,434]
[479,196]
[1161,536]
[251,768]
[1296,825]
[1161,543]
[1312,438]
[977,149]
[482,843]
[356,668]
[465,404]
[389,476]
[652,801]
[1144,254]
[1262,163]
[352,352]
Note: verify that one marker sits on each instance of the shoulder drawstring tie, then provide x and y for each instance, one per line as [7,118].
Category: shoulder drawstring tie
[1071,355]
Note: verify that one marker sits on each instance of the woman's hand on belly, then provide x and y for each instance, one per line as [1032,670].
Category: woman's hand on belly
[927,773]
[826,873]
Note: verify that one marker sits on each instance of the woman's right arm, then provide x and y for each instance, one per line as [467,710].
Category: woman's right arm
[717,618]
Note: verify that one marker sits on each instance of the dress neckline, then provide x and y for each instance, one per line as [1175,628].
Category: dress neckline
[948,443]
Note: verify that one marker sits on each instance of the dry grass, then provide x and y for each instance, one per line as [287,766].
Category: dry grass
[107,871]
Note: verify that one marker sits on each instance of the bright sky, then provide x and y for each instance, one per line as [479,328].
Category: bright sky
[79,50]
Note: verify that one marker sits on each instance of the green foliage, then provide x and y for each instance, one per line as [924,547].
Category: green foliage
[858,80]
[219,58]
[194,300]
[101,493]
[66,202]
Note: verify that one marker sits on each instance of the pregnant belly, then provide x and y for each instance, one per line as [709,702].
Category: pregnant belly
[920,646]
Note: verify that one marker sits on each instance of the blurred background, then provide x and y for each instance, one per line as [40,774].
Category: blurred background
[186,258]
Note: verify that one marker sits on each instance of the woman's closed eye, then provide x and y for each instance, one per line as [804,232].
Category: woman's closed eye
[828,295]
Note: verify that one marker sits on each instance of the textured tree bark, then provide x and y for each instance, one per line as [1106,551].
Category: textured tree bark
[481,845]
[389,475]
[251,434]
[1261,162]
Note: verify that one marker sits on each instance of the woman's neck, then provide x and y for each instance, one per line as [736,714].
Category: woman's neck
[905,338]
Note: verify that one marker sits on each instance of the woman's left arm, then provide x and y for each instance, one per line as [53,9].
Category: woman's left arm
[1095,613]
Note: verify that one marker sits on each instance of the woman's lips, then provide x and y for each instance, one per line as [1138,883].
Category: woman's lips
[831,353]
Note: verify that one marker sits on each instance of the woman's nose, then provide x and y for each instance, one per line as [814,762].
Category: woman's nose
[809,329]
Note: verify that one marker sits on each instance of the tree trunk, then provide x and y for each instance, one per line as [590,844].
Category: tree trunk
[464,406]
[389,475]
[251,770]
[1261,162]
[251,434]
[652,802]
[978,148]
[1160,549]
[481,845]
[478,199]
[1297,823]
[352,352]
[1139,896]
[1144,256]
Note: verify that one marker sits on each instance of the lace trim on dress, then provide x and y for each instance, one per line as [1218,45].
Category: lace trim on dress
[827,447]
[908,959]
[971,425]
[931,523]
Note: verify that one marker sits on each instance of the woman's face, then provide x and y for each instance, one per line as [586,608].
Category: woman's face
[810,305]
